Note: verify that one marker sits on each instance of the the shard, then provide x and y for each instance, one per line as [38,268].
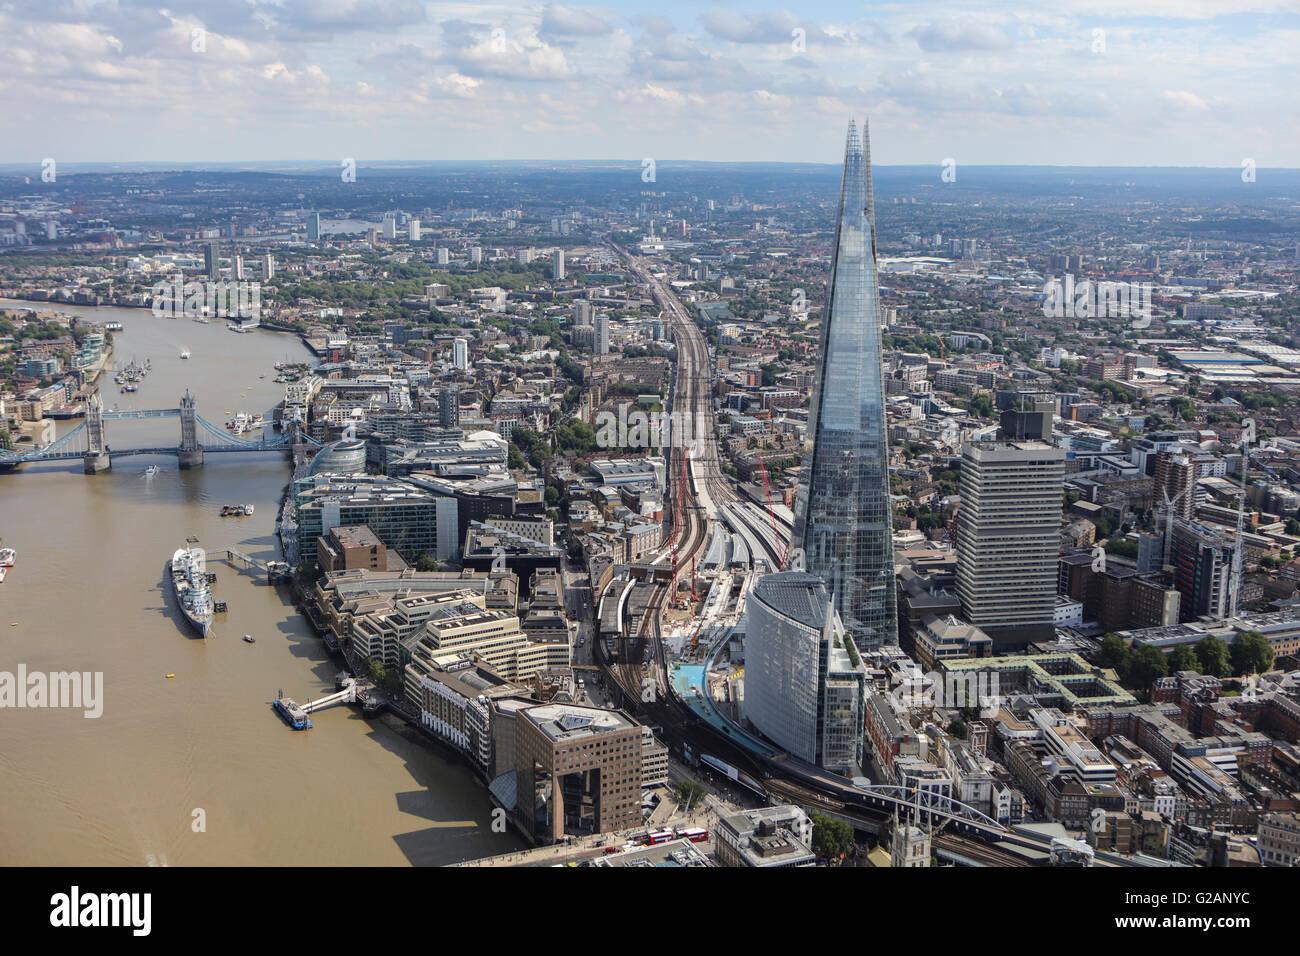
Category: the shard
[842,512]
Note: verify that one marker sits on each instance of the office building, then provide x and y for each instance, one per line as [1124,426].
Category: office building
[1007,540]
[843,518]
[343,457]
[237,267]
[804,682]
[346,548]
[313,226]
[212,260]
[760,839]
[454,697]
[409,519]
[389,227]
[557,265]
[460,354]
[413,230]
[577,769]
[441,628]
[602,334]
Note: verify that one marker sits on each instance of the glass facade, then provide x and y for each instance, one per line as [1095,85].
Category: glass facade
[404,517]
[842,512]
[804,687]
[782,665]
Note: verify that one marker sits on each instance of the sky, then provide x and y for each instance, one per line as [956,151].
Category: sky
[1074,82]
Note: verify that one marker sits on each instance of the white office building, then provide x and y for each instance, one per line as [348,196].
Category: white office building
[805,685]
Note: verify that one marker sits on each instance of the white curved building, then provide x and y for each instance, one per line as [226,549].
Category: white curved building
[805,684]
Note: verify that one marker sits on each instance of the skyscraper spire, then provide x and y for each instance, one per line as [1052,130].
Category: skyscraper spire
[871,189]
[843,518]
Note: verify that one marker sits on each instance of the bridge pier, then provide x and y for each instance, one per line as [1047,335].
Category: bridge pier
[95,462]
[190,459]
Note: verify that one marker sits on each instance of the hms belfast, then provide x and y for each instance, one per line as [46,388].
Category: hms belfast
[190,582]
[842,509]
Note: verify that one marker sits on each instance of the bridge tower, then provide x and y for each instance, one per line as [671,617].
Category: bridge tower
[96,458]
[190,453]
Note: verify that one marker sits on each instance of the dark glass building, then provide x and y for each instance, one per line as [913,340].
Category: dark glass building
[842,512]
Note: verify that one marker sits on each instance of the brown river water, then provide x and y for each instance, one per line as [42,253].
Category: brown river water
[88,594]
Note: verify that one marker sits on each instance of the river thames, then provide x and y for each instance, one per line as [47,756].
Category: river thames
[88,593]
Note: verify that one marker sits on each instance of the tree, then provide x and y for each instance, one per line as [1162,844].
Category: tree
[688,793]
[1147,664]
[957,728]
[1183,658]
[426,562]
[831,837]
[982,405]
[1113,653]
[1251,653]
[1213,655]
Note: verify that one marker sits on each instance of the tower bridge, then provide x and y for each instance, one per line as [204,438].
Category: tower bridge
[199,437]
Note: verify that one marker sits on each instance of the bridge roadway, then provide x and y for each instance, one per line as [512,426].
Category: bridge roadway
[88,440]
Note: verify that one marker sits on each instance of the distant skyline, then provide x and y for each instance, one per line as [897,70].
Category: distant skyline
[1075,83]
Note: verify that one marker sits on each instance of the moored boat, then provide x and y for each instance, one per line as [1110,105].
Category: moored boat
[190,583]
[292,713]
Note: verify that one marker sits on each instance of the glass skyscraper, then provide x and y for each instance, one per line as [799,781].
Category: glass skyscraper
[842,513]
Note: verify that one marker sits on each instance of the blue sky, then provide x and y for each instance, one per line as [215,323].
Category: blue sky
[1075,82]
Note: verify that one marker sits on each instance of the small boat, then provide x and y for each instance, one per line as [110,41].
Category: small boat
[169,676]
[249,639]
[185,355]
[8,557]
[13,623]
[151,471]
[3,572]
